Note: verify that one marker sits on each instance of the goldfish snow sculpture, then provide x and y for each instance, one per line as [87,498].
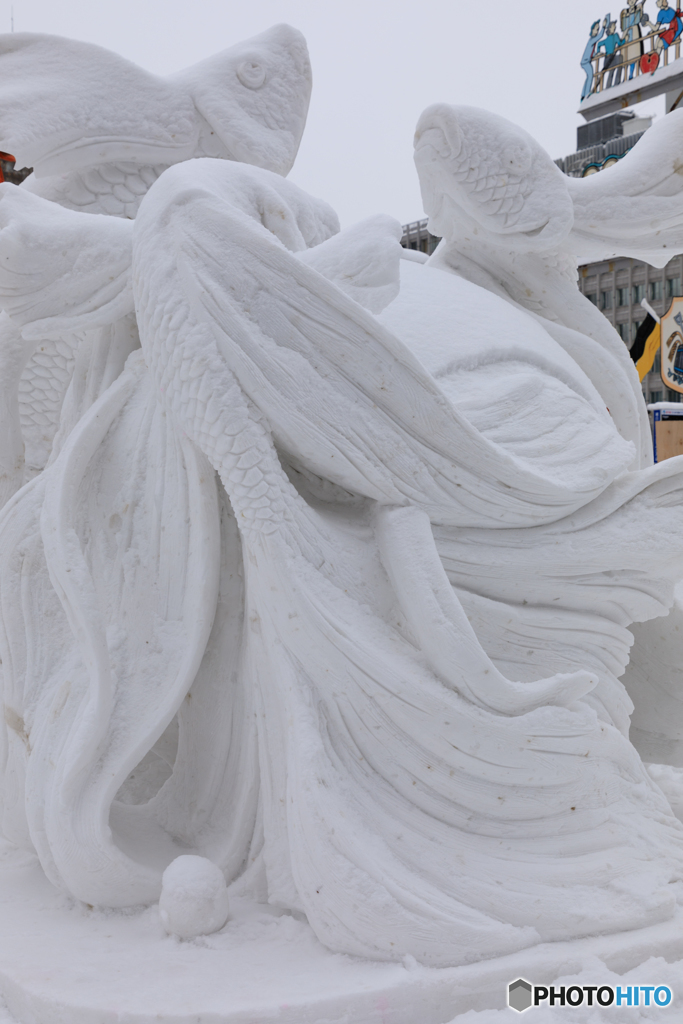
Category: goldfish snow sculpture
[266,554]
[286,596]
[517,227]
[98,130]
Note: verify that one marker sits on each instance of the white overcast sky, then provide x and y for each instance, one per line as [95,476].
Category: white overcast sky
[376,65]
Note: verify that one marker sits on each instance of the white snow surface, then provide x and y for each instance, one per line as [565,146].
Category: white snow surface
[443,537]
[194,898]
[99,131]
[321,569]
[62,962]
[69,105]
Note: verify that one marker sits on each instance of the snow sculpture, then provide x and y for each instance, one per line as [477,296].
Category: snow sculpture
[498,235]
[98,131]
[286,596]
[194,897]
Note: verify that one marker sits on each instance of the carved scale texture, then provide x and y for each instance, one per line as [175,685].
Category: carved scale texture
[115,189]
[365,811]
[112,189]
[205,397]
[42,388]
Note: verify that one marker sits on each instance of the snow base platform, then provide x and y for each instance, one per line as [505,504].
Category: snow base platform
[64,963]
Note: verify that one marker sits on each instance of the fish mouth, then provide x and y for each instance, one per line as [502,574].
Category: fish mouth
[437,130]
[535,232]
[433,139]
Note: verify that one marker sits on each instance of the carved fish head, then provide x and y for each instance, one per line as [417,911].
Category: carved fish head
[478,172]
[255,96]
[67,104]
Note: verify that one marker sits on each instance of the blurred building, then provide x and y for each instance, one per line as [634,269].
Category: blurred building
[416,236]
[600,144]
[617,287]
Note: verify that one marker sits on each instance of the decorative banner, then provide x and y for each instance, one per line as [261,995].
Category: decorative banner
[672,346]
[646,345]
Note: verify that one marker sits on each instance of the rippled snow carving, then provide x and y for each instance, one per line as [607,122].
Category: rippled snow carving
[330,580]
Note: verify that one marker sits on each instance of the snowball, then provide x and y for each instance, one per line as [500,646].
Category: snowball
[194,897]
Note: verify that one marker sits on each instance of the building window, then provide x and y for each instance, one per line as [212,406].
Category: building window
[622,330]
[622,296]
[638,293]
[673,287]
[656,368]
[655,396]
[655,291]
[592,298]
[672,396]
[605,300]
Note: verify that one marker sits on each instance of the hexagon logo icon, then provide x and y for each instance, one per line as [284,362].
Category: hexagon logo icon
[519,995]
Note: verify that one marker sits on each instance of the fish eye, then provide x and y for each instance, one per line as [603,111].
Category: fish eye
[252,74]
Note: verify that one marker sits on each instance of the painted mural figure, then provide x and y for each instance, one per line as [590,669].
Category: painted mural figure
[631,19]
[596,33]
[671,21]
[613,56]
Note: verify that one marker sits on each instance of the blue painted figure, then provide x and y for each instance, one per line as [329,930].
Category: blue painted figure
[631,18]
[670,25]
[611,43]
[586,61]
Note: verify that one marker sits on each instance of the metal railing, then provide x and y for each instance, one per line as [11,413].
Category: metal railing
[624,65]
[416,236]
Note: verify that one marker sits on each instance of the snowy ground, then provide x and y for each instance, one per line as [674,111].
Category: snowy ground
[596,973]
[5,1016]
[50,944]
[655,969]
